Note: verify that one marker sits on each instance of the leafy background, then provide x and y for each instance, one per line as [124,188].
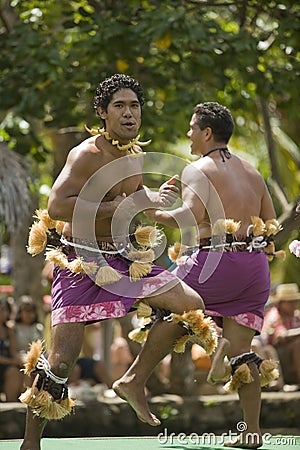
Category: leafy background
[243,53]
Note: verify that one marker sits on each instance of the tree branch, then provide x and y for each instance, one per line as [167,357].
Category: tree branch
[290,221]
[277,184]
[8,16]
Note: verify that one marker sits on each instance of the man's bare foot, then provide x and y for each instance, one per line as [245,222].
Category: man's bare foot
[137,400]
[247,440]
[219,370]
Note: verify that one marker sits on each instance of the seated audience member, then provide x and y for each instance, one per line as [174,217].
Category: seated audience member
[90,369]
[90,366]
[121,357]
[10,376]
[28,327]
[282,330]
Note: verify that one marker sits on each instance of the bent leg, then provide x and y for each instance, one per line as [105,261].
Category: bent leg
[177,298]
[219,371]
[66,341]
[131,386]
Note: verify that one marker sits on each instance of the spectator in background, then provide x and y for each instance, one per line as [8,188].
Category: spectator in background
[5,259]
[122,350]
[27,325]
[27,329]
[282,330]
[90,365]
[95,371]
[10,375]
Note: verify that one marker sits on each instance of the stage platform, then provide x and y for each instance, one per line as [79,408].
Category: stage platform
[191,442]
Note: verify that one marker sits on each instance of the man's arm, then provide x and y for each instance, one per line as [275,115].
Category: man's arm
[267,210]
[165,197]
[195,195]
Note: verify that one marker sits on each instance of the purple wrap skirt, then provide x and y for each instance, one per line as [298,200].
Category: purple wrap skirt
[231,284]
[76,297]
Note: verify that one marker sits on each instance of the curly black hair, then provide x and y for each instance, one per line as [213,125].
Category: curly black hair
[109,86]
[217,117]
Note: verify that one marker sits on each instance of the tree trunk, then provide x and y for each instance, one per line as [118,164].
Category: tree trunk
[62,141]
[279,188]
[27,270]
[290,222]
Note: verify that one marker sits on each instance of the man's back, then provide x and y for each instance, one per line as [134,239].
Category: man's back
[238,187]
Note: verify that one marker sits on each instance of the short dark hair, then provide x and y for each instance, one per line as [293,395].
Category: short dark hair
[107,88]
[217,117]
[26,302]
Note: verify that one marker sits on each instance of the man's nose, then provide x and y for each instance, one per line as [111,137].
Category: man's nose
[127,111]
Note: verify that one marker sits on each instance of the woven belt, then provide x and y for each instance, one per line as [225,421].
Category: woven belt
[107,249]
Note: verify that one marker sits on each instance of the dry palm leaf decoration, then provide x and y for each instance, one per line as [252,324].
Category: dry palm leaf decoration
[45,234]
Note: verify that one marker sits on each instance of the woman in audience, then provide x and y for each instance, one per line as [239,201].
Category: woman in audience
[10,375]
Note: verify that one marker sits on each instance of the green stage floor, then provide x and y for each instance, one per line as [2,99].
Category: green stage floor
[191,442]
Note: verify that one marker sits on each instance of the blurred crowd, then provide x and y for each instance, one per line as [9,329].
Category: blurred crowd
[100,364]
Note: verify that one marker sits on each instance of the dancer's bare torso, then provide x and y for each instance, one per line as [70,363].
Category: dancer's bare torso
[91,185]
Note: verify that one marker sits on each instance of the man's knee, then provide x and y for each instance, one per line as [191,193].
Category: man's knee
[181,299]
[191,299]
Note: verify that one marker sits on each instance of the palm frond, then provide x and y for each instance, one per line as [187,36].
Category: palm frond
[14,188]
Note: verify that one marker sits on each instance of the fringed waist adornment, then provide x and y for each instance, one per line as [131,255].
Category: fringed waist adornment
[90,257]
[228,243]
[259,238]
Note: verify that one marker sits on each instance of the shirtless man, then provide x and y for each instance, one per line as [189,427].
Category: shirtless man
[235,283]
[76,299]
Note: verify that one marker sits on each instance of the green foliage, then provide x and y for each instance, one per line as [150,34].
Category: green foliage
[5,279]
[53,55]
[183,52]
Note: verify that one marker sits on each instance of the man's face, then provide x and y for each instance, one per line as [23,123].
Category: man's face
[123,116]
[196,135]
[288,307]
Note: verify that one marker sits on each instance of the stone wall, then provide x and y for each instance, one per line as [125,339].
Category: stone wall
[204,414]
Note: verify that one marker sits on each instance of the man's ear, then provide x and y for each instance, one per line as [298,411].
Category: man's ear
[208,133]
[101,113]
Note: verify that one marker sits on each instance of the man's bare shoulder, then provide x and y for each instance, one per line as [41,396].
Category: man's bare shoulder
[249,168]
[84,148]
[193,173]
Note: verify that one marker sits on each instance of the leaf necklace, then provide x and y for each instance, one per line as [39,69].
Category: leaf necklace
[132,148]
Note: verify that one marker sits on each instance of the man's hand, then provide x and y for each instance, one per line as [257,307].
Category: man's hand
[151,214]
[168,193]
[117,200]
